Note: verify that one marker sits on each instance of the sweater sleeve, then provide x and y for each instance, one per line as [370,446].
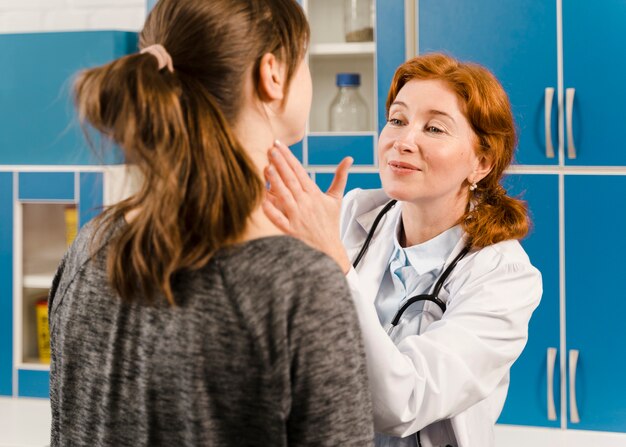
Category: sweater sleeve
[330,397]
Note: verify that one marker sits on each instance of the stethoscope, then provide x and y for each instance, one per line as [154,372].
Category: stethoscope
[434,296]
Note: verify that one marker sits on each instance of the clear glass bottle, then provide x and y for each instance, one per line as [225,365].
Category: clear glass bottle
[348,110]
[358,20]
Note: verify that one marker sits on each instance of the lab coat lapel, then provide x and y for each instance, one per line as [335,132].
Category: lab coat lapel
[373,265]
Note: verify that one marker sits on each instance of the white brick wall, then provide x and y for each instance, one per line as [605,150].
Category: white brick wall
[29,16]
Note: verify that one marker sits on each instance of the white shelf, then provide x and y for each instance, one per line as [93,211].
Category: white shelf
[367,133]
[343,49]
[33,365]
[43,281]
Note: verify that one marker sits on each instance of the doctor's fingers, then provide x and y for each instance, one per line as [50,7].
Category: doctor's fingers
[275,215]
[298,170]
[283,198]
[340,180]
[269,195]
[283,172]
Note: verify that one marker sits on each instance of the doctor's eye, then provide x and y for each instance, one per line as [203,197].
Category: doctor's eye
[394,121]
[434,129]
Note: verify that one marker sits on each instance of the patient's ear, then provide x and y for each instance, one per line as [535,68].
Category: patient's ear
[272,73]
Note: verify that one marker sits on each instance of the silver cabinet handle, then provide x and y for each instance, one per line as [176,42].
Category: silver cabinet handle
[551,362]
[549,96]
[573,406]
[569,110]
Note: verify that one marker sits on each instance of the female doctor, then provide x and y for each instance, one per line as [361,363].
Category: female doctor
[443,289]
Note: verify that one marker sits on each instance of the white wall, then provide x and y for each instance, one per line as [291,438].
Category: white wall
[28,16]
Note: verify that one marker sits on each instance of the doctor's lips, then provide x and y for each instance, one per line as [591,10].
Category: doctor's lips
[400,166]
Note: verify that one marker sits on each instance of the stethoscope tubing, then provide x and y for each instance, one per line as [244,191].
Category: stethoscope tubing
[370,234]
[434,296]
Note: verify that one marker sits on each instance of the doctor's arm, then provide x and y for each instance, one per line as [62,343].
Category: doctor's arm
[459,360]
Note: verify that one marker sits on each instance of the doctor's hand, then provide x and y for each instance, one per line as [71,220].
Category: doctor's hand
[296,205]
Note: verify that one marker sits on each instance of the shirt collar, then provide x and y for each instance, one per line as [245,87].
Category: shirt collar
[431,254]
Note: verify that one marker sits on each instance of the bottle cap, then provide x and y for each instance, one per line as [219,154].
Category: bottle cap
[348,79]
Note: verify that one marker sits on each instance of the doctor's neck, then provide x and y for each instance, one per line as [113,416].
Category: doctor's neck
[423,221]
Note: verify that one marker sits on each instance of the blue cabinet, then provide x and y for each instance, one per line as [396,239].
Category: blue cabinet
[594,43]
[33,238]
[516,40]
[528,393]
[575,198]
[40,128]
[6,283]
[39,125]
[595,243]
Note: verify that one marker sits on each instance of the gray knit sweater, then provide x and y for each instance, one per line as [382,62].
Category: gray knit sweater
[263,349]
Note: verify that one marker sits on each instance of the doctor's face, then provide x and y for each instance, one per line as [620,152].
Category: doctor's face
[426,149]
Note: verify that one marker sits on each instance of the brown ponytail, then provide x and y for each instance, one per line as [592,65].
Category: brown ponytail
[493,216]
[199,187]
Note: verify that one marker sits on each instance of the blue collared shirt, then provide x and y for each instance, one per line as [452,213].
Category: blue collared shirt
[413,270]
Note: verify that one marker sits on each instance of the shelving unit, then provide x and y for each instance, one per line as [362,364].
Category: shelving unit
[43,239]
[329,54]
[41,173]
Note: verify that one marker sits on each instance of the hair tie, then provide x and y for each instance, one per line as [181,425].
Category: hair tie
[164,58]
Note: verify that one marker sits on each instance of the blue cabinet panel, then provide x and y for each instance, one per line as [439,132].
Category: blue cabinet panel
[390,49]
[330,150]
[526,400]
[360,180]
[516,40]
[595,244]
[593,47]
[53,186]
[33,383]
[91,195]
[37,113]
[6,283]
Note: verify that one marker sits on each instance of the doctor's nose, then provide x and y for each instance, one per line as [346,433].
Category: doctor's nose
[404,145]
[406,141]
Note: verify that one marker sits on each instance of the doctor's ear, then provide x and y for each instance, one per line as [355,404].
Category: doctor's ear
[272,74]
[483,168]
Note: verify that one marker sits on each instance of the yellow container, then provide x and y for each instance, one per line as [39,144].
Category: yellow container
[71,224]
[43,332]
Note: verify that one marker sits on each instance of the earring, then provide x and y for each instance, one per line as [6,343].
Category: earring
[473,186]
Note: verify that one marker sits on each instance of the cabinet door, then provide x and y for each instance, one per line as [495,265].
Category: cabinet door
[594,43]
[516,40]
[526,402]
[6,283]
[51,205]
[595,289]
[39,125]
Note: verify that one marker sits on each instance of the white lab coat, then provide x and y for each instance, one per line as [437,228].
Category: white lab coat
[458,368]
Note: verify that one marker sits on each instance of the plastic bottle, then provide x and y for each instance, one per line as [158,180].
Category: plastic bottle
[348,110]
[357,17]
